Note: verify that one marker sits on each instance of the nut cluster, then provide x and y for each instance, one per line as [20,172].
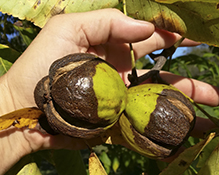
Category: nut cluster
[84,95]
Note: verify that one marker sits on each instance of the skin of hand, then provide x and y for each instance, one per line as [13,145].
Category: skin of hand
[105,33]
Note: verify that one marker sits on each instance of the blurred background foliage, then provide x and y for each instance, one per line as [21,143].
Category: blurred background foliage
[15,33]
[201,63]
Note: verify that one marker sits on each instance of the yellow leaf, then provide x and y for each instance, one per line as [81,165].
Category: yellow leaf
[197,20]
[30,168]
[116,164]
[39,11]
[26,117]
[184,160]
[95,166]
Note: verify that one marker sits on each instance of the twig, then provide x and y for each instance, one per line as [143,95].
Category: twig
[133,77]
[154,73]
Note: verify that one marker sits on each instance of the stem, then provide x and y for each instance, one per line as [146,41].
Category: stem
[154,73]
[177,44]
[124,7]
[160,59]
[193,169]
[169,51]
[133,78]
[214,120]
[134,72]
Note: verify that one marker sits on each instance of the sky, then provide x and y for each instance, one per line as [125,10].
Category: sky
[179,52]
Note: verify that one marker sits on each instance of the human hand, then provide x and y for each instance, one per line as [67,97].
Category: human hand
[94,32]
[104,33]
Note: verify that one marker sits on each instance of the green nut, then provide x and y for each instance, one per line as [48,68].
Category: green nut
[82,96]
[157,119]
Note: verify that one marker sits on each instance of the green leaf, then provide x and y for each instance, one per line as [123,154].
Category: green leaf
[184,160]
[211,166]
[197,20]
[115,164]
[7,58]
[46,155]
[207,151]
[106,161]
[39,11]
[27,34]
[68,162]
[25,165]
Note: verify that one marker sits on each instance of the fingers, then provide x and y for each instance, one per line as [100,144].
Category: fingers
[100,26]
[188,42]
[111,25]
[38,141]
[202,126]
[78,32]
[159,40]
[199,91]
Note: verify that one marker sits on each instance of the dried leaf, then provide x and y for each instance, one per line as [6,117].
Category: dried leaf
[184,160]
[26,117]
[95,166]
